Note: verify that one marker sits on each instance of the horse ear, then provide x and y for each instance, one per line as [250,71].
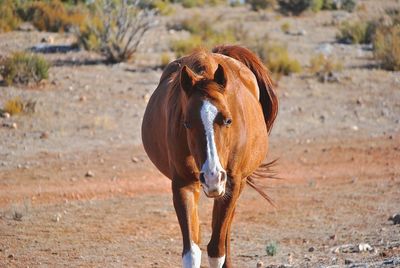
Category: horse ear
[188,79]
[219,76]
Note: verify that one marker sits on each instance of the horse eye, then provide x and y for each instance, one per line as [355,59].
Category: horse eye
[186,124]
[227,121]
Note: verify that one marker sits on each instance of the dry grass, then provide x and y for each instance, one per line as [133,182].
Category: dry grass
[9,19]
[53,16]
[16,106]
[24,68]
[387,47]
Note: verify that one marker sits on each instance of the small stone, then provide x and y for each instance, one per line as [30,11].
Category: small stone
[57,217]
[364,247]
[311,249]
[260,264]
[348,261]
[11,256]
[135,159]
[5,115]
[14,125]
[355,128]
[82,98]
[89,174]
[395,218]
[44,135]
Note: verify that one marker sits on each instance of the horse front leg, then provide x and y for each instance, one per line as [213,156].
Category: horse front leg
[186,197]
[218,248]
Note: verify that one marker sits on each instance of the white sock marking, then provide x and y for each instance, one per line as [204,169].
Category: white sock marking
[216,262]
[192,258]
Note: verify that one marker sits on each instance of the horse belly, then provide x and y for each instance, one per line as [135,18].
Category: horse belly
[154,133]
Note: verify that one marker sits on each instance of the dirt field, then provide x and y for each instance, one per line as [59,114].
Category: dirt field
[338,146]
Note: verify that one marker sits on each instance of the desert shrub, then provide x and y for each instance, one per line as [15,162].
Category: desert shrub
[285,27]
[348,5]
[261,4]
[357,32]
[13,106]
[165,59]
[24,68]
[17,106]
[9,19]
[324,67]
[116,29]
[52,16]
[387,47]
[185,46]
[296,7]
[203,34]
[277,59]
[271,248]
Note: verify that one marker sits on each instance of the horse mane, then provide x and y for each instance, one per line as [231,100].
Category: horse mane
[268,98]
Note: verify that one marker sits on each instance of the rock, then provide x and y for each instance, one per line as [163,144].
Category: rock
[82,98]
[14,125]
[311,249]
[364,247]
[5,115]
[395,218]
[57,217]
[44,135]
[135,159]
[17,216]
[348,261]
[89,174]
[260,264]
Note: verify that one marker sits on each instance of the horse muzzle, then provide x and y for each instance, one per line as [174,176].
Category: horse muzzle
[213,183]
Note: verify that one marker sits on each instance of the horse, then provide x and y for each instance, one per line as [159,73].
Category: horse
[207,125]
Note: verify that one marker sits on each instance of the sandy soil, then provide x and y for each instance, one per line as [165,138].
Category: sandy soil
[338,146]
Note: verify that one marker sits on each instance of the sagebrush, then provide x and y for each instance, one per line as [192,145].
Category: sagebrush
[24,68]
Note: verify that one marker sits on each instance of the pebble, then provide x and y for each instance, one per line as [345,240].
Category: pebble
[260,264]
[57,217]
[348,261]
[311,249]
[89,174]
[44,135]
[135,159]
[5,115]
[395,218]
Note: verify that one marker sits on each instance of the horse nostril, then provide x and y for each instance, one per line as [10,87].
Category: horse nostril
[202,179]
[223,176]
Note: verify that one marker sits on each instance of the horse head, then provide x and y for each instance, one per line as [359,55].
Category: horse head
[208,121]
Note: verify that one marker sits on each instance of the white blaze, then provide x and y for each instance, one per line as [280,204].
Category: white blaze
[212,165]
[192,258]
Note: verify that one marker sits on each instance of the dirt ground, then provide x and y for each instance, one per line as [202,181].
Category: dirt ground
[338,146]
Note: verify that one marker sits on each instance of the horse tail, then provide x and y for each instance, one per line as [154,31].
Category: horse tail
[268,98]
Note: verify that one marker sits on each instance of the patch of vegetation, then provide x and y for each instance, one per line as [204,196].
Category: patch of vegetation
[285,27]
[9,19]
[324,67]
[16,106]
[296,7]
[165,59]
[272,248]
[261,4]
[24,68]
[116,28]
[387,47]
[203,34]
[277,59]
[357,32]
[52,16]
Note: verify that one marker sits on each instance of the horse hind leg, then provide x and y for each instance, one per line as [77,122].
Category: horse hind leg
[185,202]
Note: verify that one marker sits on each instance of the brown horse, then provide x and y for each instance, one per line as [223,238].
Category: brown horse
[207,124]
